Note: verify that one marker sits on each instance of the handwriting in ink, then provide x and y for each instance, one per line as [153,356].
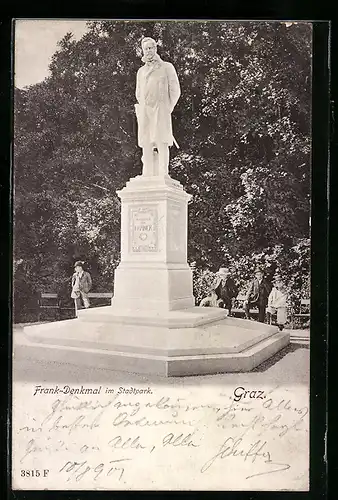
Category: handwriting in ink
[79,469]
[179,440]
[234,447]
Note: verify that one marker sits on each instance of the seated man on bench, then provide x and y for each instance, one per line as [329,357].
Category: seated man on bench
[223,291]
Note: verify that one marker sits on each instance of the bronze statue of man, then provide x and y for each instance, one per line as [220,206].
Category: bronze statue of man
[157,92]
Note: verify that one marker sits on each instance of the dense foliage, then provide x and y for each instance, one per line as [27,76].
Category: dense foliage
[242,124]
[292,264]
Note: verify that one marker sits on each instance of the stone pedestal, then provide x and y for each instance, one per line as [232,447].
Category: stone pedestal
[153,274]
[195,341]
[153,326]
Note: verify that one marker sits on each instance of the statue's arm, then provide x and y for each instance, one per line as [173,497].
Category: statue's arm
[174,86]
[138,87]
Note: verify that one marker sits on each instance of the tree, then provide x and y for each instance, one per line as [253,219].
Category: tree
[242,123]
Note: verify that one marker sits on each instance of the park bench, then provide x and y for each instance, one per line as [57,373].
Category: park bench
[52,306]
[48,303]
[238,307]
[100,295]
[302,314]
[294,316]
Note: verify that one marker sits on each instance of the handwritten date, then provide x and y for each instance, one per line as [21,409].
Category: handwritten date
[79,469]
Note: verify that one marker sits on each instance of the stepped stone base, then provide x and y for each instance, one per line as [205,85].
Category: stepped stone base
[193,341]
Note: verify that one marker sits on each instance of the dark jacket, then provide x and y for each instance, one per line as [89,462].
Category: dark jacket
[85,282]
[227,289]
[259,292]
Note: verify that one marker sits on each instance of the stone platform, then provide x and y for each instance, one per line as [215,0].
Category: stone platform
[184,342]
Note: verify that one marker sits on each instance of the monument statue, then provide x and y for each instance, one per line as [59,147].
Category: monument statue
[154,327]
[157,92]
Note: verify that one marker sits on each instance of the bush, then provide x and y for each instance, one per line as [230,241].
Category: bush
[203,280]
[291,263]
[25,302]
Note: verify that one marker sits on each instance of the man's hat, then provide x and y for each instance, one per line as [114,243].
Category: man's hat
[78,263]
[259,269]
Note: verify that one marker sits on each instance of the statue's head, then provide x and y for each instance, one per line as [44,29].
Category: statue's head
[149,48]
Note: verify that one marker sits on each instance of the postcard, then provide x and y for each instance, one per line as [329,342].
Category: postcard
[161,255]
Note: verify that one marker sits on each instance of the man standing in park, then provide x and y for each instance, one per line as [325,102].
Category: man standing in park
[81,284]
[258,294]
[157,92]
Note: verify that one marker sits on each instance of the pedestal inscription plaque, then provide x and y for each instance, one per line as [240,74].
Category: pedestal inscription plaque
[143,229]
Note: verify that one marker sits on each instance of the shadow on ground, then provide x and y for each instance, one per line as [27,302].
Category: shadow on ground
[291,348]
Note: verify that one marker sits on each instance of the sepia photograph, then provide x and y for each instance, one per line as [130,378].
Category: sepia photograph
[161,255]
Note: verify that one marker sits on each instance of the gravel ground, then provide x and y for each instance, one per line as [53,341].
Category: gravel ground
[289,366]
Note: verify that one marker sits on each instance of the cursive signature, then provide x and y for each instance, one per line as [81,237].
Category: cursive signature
[234,447]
